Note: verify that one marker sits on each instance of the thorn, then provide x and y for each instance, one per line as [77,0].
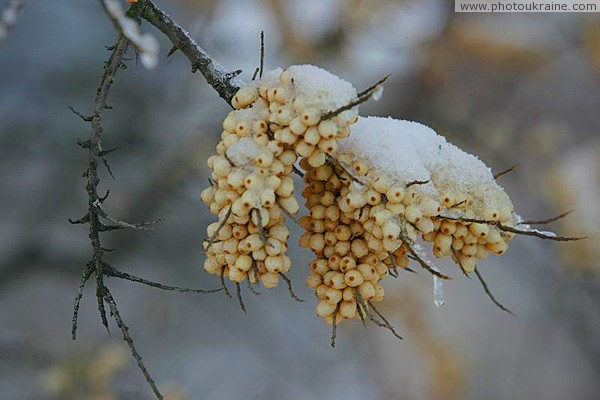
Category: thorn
[106,152]
[86,144]
[172,51]
[255,73]
[506,171]
[103,198]
[80,115]
[262,54]
[82,220]
[230,75]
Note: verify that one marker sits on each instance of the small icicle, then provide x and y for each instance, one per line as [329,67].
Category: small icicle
[438,291]
[377,93]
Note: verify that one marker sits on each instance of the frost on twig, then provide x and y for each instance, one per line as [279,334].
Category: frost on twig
[8,18]
[145,44]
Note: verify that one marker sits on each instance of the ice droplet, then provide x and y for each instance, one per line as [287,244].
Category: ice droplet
[438,291]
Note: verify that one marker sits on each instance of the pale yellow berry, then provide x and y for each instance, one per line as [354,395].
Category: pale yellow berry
[391,230]
[367,271]
[457,244]
[479,230]
[469,250]
[333,296]
[208,195]
[467,263]
[317,158]
[327,129]
[359,248]
[491,214]
[313,281]
[289,204]
[443,243]
[244,97]
[425,226]
[413,214]
[230,122]
[348,294]
[303,149]
[310,116]
[317,242]
[269,280]
[448,227]
[353,278]
[299,104]
[237,275]
[367,290]
[211,265]
[348,309]
[395,194]
[461,231]
[325,309]
[242,128]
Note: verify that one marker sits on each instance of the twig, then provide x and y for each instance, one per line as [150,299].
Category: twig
[87,273]
[262,54]
[360,98]
[489,293]
[239,297]
[417,183]
[334,325]
[110,271]
[505,228]
[549,220]
[114,311]
[506,171]
[361,315]
[221,225]
[252,290]
[372,318]
[385,321]
[422,262]
[289,285]
[223,285]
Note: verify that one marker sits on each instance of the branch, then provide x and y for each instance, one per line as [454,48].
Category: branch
[225,82]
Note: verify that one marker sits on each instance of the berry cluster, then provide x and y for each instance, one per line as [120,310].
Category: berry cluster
[370,195]
[275,120]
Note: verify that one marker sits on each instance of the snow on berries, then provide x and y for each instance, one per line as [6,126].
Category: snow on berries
[374,187]
[436,190]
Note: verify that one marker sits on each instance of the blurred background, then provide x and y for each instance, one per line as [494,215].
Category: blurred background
[511,88]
